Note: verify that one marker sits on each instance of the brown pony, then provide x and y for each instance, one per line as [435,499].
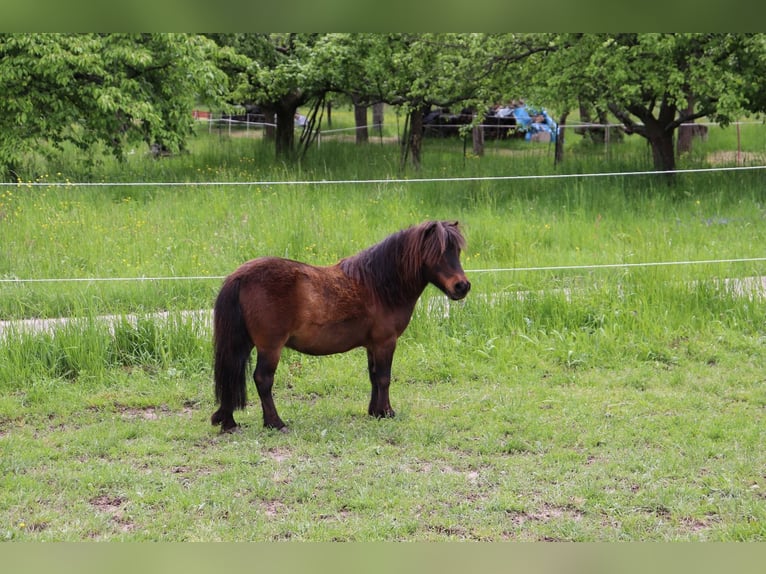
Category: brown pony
[365,300]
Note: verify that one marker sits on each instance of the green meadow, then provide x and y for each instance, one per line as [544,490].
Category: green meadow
[603,381]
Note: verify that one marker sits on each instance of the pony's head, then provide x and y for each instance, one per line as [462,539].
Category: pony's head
[439,244]
[398,268]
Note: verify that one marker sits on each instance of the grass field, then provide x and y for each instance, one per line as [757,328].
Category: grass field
[588,403]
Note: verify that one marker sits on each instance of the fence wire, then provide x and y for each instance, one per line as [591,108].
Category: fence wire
[18,280]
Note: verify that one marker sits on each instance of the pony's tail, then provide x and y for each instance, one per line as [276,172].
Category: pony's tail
[232,345]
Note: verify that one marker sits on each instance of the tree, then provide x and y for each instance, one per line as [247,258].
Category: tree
[113,89]
[654,83]
[280,73]
[418,71]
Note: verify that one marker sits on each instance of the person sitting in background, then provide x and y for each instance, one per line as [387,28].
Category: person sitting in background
[504,111]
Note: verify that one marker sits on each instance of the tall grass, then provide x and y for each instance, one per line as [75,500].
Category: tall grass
[205,231]
[86,348]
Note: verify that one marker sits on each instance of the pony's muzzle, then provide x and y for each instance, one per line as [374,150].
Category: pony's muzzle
[461,289]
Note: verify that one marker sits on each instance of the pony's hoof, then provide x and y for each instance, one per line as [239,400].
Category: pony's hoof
[277,425]
[283,428]
[231,429]
[223,418]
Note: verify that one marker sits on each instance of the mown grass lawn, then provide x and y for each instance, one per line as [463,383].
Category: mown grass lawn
[531,449]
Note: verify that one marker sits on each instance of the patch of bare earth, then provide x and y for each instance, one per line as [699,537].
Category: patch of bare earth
[698,525]
[114,506]
[152,413]
[449,531]
[272,508]
[278,454]
[545,513]
[145,413]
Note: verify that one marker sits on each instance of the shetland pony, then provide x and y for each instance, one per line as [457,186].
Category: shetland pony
[365,300]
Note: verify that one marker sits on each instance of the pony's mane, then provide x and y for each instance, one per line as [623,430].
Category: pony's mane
[392,269]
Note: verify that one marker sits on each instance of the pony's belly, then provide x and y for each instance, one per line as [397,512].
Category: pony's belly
[327,340]
[319,347]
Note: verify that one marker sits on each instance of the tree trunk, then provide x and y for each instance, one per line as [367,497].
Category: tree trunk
[611,134]
[477,133]
[285,135]
[658,131]
[663,151]
[360,120]
[377,117]
[596,135]
[685,133]
[416,136]
[269,115]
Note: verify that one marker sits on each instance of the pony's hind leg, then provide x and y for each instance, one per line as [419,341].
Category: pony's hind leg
[232,347]
[230,390]
[265,368]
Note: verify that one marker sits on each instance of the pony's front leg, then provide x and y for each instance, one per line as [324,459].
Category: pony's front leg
[265,368]
[379,360]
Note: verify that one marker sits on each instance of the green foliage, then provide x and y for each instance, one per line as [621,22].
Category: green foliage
[114,90]
[632,71]
[108,89]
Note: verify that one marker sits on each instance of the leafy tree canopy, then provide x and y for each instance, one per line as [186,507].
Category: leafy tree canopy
[113,89]
[654,82]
